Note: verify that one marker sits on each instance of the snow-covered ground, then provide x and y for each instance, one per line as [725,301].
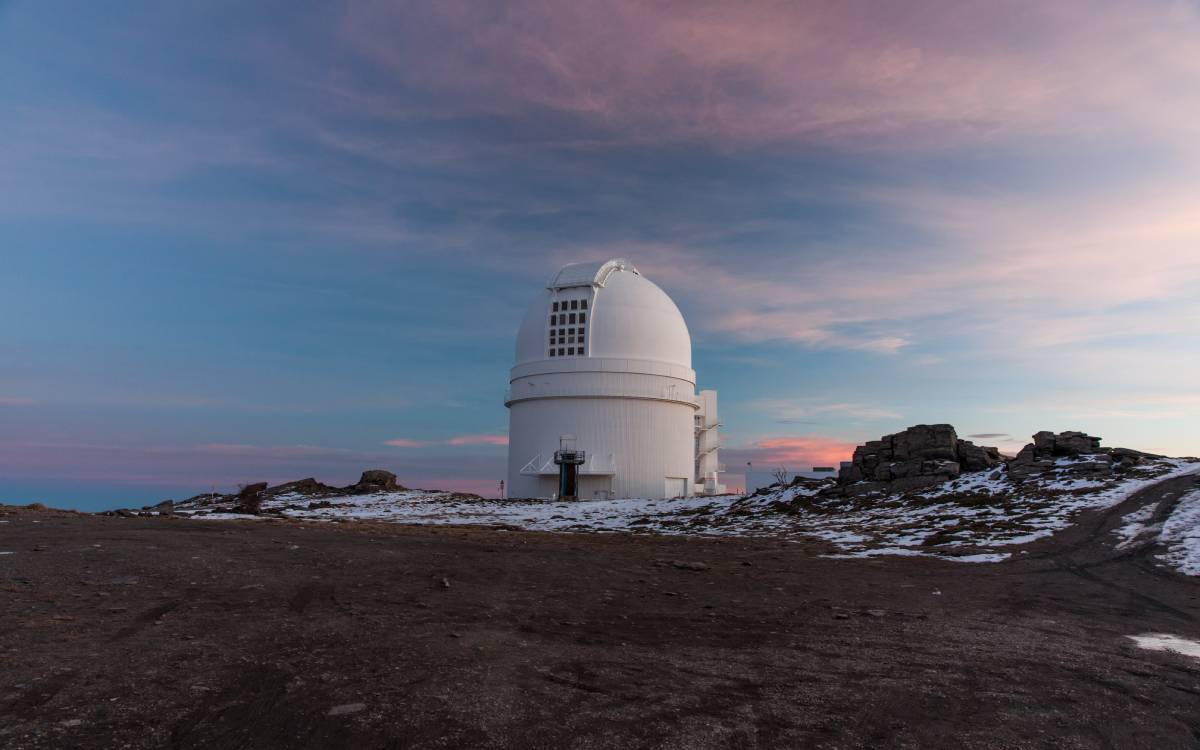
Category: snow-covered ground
[1167,642]
[1179,534]
[975,518]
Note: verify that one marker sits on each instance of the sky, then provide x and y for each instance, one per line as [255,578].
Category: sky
[264,241]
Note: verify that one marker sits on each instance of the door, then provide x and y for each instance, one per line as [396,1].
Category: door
[675,487]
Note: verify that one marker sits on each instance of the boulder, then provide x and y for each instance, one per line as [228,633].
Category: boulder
[925,441]
[850,473]
[1027,463]
[940,468]
[250,499]
[376,480]
[905,484]
[1075,443]
[1125,459]
[1043,443]
[1041,455]
[977,457]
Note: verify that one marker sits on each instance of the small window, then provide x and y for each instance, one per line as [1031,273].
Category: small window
[553,320]
[581,339]
[571,351]
[570,339]
[555,307]
[582,304]
[582,317]
[571,320]
[551,352]
[560,350]
[574,304]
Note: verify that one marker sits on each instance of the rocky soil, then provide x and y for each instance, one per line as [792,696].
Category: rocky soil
[160,631]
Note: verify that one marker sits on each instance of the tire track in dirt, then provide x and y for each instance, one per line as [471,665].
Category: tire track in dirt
[1094,559]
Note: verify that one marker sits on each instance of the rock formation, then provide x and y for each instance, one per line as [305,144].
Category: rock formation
[1043,454]
[307,486]
[250,499]
[375,480]
[921,456]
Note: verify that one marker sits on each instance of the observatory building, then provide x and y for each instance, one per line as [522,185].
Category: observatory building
[602,399]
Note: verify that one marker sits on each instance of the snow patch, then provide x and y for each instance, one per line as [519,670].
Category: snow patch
[1167,642]
[1136,526]
[1181,535]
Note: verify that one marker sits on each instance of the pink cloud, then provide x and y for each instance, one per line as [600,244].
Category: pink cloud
[832,72]
[406,443]
[263,451]
[478,440]
[790,452]
[458,440]
[805,450]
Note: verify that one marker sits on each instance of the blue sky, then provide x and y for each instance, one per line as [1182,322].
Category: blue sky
[290,239]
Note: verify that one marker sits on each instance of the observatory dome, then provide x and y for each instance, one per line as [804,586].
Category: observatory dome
[602,398]
[631,318]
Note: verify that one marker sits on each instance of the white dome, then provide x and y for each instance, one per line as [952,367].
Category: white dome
[629,317]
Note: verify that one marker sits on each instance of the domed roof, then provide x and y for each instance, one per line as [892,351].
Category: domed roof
[630,317]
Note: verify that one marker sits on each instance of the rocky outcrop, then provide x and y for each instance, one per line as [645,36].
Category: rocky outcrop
[921,456]
[375,480]
[308,486]
[250,499]
[165,508]
[1082,452]
[1068,443]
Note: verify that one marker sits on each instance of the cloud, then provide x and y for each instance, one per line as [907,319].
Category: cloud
[799,410]
[478,440]
[790,452]
[407,443]
[844,72]
[263,451]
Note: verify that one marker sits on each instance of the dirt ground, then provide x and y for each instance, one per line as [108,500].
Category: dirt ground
[165,632]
